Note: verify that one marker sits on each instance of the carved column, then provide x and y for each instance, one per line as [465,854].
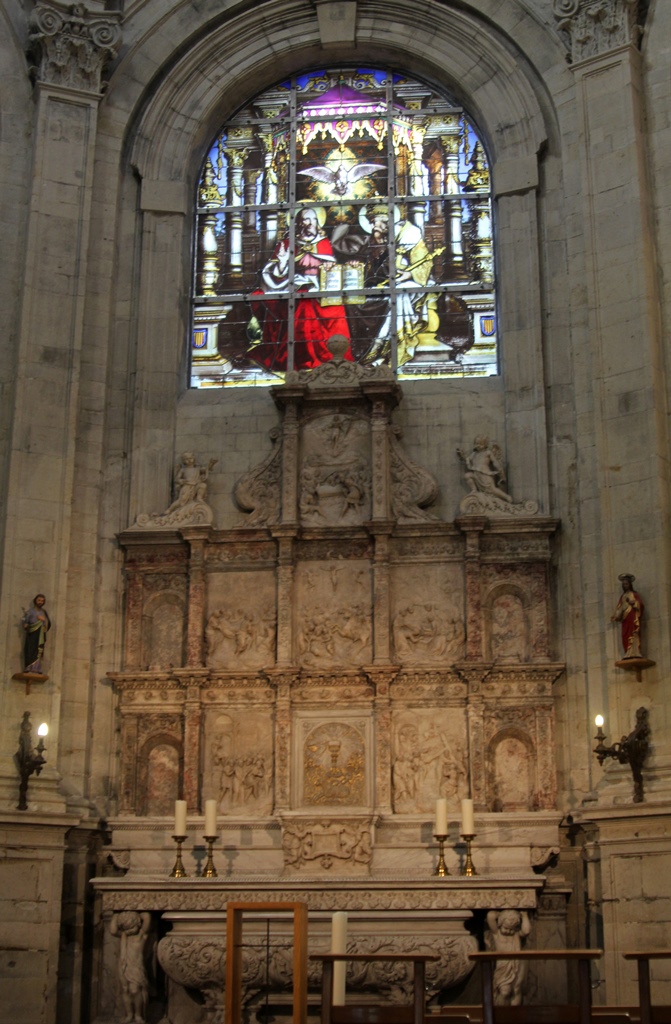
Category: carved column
[282,740]
[128,782]
[379,441]
[133,627]
[192,730]
[382,706]
[285,592]
[381,595]
[290,454]
[197,538]
[473,526]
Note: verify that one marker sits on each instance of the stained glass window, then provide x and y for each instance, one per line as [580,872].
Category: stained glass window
[344,201]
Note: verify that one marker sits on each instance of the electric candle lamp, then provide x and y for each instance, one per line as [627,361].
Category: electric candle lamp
[339,945]
[180,817]
[441,817]
[467,821]
[210,818]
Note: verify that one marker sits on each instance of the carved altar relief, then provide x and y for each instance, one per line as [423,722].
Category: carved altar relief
[238,762]
[428,615]
[333,622]
[428,760]
[163,778]
[344,844]
[334,484]
[242,622]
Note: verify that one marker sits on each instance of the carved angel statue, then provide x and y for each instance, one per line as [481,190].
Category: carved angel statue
[507,929]
[132,929]
[484,468]
[485,476]
[189,507]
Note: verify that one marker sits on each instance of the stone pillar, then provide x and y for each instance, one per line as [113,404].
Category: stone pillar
[133,623]
[283,683]
[381,595]
[192,730]
[71,45]
[627,386]
[379,441]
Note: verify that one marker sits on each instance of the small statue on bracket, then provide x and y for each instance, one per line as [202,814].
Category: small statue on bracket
[629,613]
[36,624]
[485,476]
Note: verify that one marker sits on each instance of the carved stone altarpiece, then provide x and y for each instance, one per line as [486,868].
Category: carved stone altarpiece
[343,658]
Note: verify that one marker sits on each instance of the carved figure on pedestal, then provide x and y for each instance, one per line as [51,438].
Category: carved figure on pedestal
[36,624]
[507,930]
[485,476]
[508,630]
[189,507]
[629,612]
[132,929]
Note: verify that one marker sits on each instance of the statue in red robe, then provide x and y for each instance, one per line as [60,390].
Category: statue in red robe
[314,323]
[629,613]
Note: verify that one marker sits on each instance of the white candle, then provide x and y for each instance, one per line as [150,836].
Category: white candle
[211,818]
[441,817]
[339,945]
[180,817]
[467,822]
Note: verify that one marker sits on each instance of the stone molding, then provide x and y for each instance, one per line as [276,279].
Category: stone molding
[595,27]
[73,45]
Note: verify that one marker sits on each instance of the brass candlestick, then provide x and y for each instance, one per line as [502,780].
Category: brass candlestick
[178,870]
[468,868]
[209,871]
[441,870]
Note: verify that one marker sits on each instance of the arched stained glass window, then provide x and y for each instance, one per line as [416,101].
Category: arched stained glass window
[345,201]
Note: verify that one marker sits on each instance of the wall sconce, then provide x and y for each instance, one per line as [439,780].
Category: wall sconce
[29,760]
[631,749]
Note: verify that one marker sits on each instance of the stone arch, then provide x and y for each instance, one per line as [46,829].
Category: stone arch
[506,622]
[511,771]
[160,774]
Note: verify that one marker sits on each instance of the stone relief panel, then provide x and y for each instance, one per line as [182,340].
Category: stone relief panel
[331,760]
[511,771]
[508,627]
[163,778]
[163,631]
[334,483]
[344,844]
[238,761]
[333,614]
[241,622]
[428,760]
[428,615]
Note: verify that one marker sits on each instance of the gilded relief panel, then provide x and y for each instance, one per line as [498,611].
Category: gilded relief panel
[429,759]
[241,621]
[238,761]
[428,614]
[332,765]
[333,619]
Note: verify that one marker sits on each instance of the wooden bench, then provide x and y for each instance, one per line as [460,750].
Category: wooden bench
[374,1014]
[583,957]
[643,958]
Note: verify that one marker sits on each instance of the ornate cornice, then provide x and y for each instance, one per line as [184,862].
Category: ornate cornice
[73,44]
[594,27]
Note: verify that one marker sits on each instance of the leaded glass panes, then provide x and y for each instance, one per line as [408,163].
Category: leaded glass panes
[345,201]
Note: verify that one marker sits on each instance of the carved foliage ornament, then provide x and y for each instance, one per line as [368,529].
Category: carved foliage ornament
[597,26]
[73,45]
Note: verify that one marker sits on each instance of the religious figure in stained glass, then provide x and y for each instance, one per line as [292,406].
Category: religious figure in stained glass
[294,240]
[315,320]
